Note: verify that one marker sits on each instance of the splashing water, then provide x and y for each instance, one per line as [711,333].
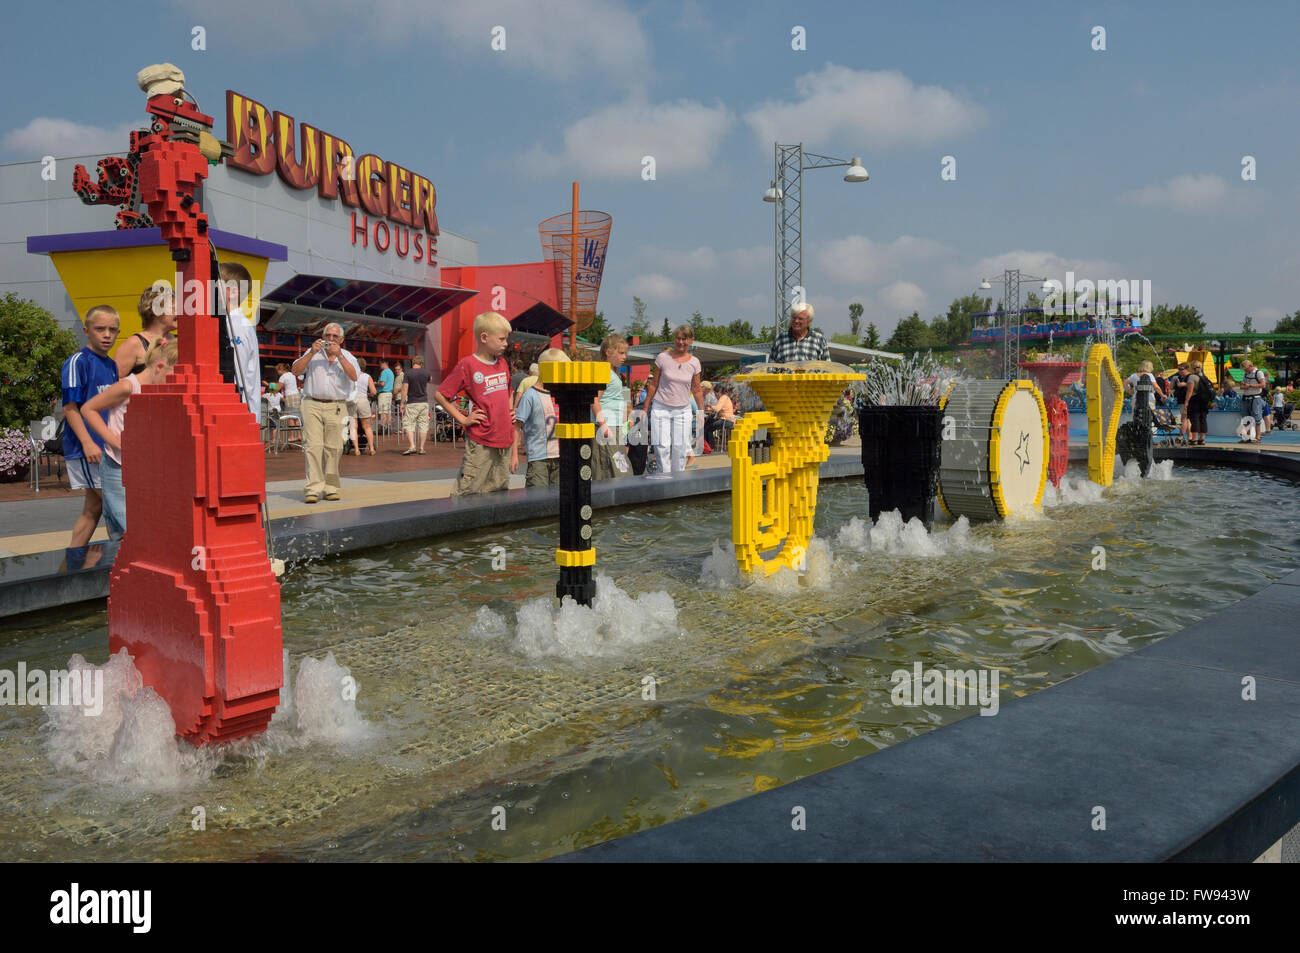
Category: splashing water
[721,571]
[132,747]
[913,381]
[891,536]
[613,625]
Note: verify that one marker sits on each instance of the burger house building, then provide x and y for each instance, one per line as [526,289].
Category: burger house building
[339,234]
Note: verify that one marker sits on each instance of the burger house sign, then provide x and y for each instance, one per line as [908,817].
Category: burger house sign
[379,192]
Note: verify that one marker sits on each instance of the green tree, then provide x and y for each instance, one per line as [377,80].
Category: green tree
[855,318]
[1247,325]
[32,350]
[598,329]
[666,332]
[1178,319]
[844,337]
[741,332]
[912,334]
[1290,324]
[960,319]
[872,338]
[638,326]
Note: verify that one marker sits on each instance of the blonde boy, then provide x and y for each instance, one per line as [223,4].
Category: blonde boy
[484,377]
[84,375]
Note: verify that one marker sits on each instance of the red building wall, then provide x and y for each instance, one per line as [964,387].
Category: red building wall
[508,289]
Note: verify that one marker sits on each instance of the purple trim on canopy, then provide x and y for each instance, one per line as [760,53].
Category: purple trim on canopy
[135,237]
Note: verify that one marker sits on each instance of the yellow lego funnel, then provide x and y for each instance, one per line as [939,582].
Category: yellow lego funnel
[114,267]
[773,502]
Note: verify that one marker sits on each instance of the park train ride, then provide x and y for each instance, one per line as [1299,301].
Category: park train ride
[1043,331]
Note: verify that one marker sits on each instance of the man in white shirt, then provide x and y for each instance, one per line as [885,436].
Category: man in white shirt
[236,283]
[1254,383]
[329,374]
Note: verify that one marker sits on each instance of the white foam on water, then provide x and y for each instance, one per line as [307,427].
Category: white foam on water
[1164,470]
[613,625]
[893,537]
[1072,491]
[488,625]
[284,716]
[131,746]
[325,706]
[721,571]
[145,749]
[75,739]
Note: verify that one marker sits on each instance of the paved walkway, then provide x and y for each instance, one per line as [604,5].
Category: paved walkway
[37,523]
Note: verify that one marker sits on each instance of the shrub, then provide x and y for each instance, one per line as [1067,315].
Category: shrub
[32,350]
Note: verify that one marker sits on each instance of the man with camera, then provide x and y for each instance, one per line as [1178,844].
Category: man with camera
[329,373]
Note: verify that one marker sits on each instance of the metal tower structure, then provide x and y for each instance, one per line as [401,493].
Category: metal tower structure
[1011,278]
[787,193]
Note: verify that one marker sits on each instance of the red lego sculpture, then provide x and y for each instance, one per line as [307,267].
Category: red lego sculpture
[1050,375]
[192,595]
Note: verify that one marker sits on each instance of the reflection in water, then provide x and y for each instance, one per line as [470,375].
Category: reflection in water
[683,688]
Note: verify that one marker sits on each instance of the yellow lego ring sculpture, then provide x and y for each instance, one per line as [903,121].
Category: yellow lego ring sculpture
[1105,391]
[774,500]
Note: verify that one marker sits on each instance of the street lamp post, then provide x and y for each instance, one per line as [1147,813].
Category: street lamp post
[786,192]
[1011,278]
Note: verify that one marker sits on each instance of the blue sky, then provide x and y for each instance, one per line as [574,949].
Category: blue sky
[1122,163]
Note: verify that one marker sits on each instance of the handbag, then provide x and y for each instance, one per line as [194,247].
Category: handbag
[55,444]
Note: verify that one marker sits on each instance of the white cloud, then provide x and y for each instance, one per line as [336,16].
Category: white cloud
[856,258]
[1271,315]
[841,108]
[62,137]
[681,136]
[902,296]
[703,258]
[1043,264]
[1186,193]
[750,259]
[558,40]
[656,287]
[757,304]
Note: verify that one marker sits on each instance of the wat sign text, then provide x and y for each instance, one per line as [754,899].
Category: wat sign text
[379,192]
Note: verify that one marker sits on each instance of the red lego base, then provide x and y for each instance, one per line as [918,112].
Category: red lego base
[192,595]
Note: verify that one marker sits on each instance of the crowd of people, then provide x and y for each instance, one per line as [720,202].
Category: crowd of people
[1190,390]
[505,411]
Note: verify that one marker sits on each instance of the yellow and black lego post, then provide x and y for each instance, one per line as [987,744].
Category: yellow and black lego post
[574,386]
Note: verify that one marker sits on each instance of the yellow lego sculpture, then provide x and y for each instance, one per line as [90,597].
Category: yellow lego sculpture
[1105,404]
[774,500]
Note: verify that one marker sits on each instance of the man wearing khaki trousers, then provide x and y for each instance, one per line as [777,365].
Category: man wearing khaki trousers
[328,372]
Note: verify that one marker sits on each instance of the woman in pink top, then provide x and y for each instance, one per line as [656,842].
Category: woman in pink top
[158,363]
[674,380]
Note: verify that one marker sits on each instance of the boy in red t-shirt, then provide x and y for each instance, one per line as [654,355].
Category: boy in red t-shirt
[485,377]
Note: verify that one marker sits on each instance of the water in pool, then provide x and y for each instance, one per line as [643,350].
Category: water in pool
[440,696]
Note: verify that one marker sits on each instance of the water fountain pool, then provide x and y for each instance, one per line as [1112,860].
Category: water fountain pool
[463,710]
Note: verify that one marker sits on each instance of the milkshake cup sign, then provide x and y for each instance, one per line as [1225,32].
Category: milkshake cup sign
[591,262]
